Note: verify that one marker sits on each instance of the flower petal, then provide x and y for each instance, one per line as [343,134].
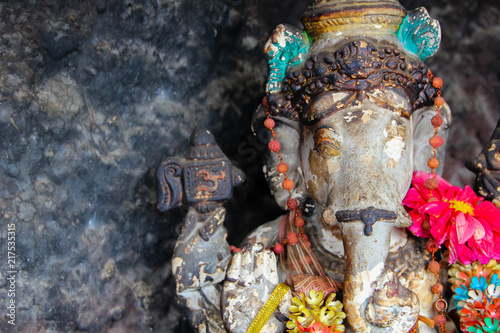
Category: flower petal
[488,212]
[416,227]
[465,230]
[459,252]
[413,199]
[479,232]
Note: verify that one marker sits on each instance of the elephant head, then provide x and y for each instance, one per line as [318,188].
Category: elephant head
[353,120]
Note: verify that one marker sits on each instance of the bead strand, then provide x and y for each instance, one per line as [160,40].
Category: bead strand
[288,184]
[436,141]
[440,305]
[275,146]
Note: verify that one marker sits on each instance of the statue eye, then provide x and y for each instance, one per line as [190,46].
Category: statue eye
[325,142]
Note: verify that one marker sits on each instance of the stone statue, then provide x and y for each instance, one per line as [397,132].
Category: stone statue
[486,166]
[350,101]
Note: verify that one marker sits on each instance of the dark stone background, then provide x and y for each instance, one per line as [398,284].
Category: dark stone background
[94,93]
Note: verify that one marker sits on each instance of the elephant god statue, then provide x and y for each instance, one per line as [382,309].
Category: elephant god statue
[351,107]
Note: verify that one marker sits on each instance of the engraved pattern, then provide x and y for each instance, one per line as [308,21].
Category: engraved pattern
[207,180]
[334,24]
[357,67]
[169,184]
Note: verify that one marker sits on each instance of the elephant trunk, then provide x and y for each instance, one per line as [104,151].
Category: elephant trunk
[374,299]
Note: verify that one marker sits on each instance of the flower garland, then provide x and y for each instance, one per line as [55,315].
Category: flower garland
[312,314]
[470,228]
[477,291]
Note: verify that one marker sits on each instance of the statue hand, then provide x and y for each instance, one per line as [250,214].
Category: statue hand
[201,254]
[251,278]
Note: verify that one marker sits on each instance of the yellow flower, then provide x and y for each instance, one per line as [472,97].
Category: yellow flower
[311,309]
[315,298]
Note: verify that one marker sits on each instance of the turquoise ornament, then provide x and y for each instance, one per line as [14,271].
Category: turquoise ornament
[478,283]
[420,34]
[486,327]
[287,47]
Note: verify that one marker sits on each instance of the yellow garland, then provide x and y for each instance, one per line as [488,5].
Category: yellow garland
[268,308]
[308,310]
[458,272]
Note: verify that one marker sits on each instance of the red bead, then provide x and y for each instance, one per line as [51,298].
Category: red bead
[434,267]
[439,320]
[433,163]
[437,82]
[437,288]
[292,203]
[436,141]
[439,101]
[437,121]
[274,145]
[269,123]
[288,184]
[304,237]
[431,245]
[282,167]
[264,102]
[299,223]
[292,238]
[308,243]
[431,184]
[278,249]
[235,249]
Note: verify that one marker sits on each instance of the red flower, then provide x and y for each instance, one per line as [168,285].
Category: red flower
[317,327]
[456,217]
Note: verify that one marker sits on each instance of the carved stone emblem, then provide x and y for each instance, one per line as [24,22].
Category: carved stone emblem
[205,175]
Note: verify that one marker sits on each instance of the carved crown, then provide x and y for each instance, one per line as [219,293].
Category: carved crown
[357,67]
[325,18]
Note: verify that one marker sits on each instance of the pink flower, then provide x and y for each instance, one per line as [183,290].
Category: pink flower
[456,217]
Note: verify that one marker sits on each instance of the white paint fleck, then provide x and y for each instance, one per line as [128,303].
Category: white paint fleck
[367,116]
[366,278]
[176,263]
[395,145]
[338,97]
[349,117]
[394,148]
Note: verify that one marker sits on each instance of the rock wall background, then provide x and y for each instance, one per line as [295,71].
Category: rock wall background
[94,93]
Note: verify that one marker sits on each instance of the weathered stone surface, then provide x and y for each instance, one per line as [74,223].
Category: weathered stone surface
[94,93]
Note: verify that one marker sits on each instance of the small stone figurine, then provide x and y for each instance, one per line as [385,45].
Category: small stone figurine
[351,108]
[203,181]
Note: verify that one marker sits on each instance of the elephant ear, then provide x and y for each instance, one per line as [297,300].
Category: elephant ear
[423,131]
[288,134]
[420,34]
[287,47]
